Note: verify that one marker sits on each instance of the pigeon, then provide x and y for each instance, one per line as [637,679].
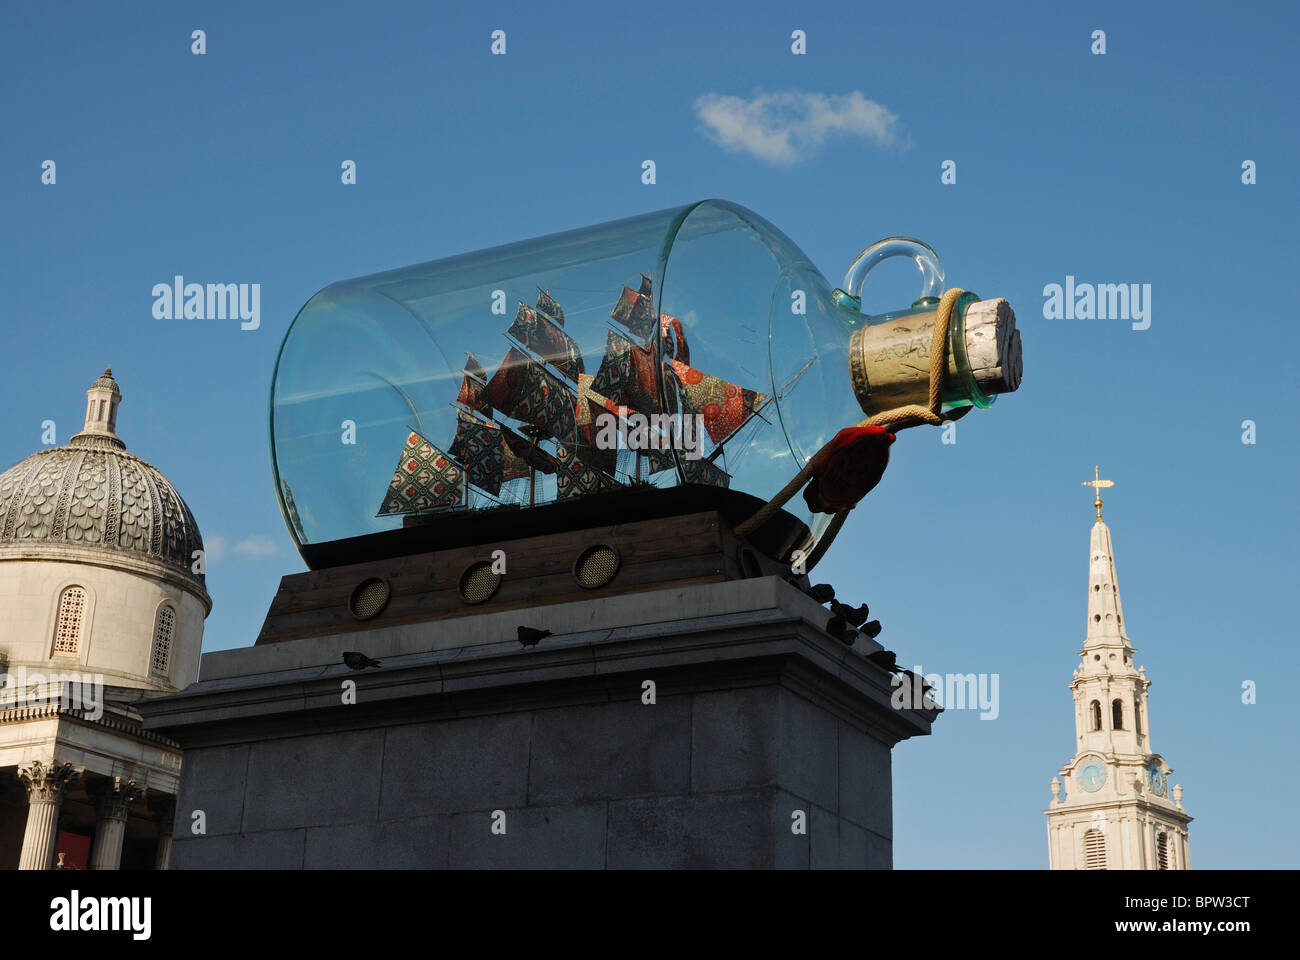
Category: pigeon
[871,628]
[822,592]
[926,689]
[531,636]
[885,659]
[837,628]
[358,661]
[852,615]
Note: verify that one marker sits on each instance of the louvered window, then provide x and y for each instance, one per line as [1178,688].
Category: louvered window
[1096,715]
[163,632]
[67,627]
[1162,851]
[1094,850]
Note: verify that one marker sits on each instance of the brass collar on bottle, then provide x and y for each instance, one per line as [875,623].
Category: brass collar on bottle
[858,370]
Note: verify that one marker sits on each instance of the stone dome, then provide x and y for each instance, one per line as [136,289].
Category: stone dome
[91,493]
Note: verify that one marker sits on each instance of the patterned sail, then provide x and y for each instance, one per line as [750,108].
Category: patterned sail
[656,461]
[675,345]
[471,394]
[425,477]
[591,406]
[635,310]
[529,452]
[578,477]
[522,388]
[473,386]
[626,375]
[475,369]
[549,307]
[705,472]
[480,445]
[724,405]
[514,467]
[547,341]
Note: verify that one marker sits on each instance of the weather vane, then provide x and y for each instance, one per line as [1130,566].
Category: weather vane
[1097,483]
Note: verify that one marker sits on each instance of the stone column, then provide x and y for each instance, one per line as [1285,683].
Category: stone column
[45,788]
[165,808]
[115,796]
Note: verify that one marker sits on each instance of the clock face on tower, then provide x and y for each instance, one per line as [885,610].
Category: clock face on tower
[1156,779]
[1092,775]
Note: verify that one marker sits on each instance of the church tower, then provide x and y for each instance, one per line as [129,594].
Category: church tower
[1112,807]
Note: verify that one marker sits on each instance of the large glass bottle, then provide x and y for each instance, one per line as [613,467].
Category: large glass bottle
[481,381]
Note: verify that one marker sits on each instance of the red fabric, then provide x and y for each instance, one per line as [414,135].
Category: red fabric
[848,469]
[675,338]
[76,850]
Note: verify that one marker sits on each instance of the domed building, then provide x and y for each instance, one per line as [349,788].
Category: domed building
[102,603]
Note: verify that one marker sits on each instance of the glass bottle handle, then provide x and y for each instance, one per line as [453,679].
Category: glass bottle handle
[927,261]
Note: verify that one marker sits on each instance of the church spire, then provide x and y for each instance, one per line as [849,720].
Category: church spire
[102,400]
[1105,612]
[1111,805]
[1107,681]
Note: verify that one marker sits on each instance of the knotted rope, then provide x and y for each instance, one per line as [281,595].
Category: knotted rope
[899,418]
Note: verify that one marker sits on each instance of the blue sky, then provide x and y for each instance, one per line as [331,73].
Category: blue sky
[1122,168]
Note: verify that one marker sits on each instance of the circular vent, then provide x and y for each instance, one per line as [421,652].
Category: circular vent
[369,598]
[478,582]
[595,566]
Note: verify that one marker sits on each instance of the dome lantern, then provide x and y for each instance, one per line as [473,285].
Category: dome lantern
[102,400]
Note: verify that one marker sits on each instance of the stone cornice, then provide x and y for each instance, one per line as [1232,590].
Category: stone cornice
[53,710]
[779,642]
[1139,804]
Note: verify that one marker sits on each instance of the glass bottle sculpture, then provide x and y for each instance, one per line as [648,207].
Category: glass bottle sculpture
[692,346]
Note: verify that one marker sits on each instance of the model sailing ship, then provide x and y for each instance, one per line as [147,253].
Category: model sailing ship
[542,385]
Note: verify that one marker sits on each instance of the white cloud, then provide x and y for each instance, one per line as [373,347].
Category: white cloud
[788,126]
[255,547]
[214,548]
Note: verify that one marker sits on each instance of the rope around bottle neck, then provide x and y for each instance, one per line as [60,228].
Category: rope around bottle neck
[899,418]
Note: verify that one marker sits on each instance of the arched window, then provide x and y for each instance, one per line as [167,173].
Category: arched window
[1094,850]
[1162,851]
[1096,715]
[164,631]
[1117,715]
[67,624]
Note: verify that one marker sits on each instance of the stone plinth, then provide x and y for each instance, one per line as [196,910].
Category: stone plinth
[760,721]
